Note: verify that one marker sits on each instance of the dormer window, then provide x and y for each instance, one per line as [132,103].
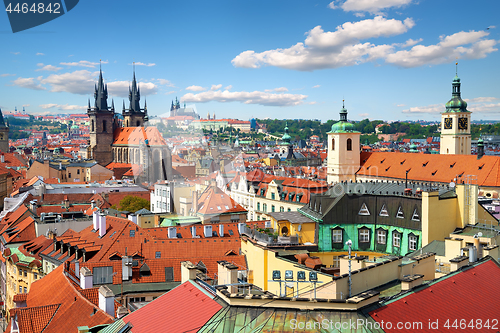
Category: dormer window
[364,210]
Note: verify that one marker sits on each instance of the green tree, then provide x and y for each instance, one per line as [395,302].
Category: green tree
[132,203]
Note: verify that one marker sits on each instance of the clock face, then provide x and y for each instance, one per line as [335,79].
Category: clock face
[448,123]
[462,123]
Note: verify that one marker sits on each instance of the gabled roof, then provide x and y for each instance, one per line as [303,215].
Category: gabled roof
[476,287]
[183,309]
[214,201]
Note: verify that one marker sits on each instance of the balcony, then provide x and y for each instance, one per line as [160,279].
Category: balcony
[269,240]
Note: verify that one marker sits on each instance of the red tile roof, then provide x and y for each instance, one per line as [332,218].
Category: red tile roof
[476,288]
[431,167]
[183,309]
[214,201]
[136,135]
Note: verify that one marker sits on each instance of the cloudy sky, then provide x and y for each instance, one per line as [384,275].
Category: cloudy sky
[389,59]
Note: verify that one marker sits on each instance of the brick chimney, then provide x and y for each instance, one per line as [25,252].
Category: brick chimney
[86,278]
[107,300]
[227,274]
[188,271]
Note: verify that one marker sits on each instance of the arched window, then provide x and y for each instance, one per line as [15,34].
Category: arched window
[333,144]
[104,126]
[349,144]
[92,128]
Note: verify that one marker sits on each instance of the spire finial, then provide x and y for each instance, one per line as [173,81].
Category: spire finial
[343,106]
[456,68]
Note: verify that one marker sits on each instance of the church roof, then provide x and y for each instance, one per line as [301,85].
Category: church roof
[138,135]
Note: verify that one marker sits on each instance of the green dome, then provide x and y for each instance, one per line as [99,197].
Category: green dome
[413,148]
[456,103]
[456,79]
[342,126]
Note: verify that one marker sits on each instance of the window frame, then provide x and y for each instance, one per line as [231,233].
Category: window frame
[335,238]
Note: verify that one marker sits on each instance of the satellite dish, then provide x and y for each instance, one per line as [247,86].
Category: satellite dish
[480,234]
[452,184]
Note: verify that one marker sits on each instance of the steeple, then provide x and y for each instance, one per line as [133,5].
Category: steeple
[2,122]
[342,125]
[456,103]
[101,94]
[343,112]
[134,96]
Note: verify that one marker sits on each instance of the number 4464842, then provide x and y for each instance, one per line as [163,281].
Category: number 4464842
[36,8]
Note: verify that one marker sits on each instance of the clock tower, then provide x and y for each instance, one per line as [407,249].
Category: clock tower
[455,124]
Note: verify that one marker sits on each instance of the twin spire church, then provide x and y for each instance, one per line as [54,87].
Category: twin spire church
[129,141]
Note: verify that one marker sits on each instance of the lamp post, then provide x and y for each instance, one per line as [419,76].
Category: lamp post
[349,244]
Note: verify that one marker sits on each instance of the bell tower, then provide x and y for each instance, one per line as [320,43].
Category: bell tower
[343,156]
[102,124]
[455,123]
[4,135]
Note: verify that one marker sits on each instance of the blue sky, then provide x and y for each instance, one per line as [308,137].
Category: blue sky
[389,59]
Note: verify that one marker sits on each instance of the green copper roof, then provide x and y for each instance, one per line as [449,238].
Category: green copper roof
[343,126]
[456,103]
[286,138]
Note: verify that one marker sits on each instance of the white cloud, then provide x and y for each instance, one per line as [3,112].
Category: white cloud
[16,53]
[195,88]
[371,6]
[329,49]
[433,108]
[143,64]
[82,63]
[216,87]
[170,92]
[28,82]
[78,82]
[363,115]
[48,68]
[480,99]
[345,47]
[280,89]
[40,54]
[254,97]
[120,88]
[4,75]
[63,107]
[312,103]
[316,86]
[401,105]
[229,87]
[332,5]
[164,82]
[26,105]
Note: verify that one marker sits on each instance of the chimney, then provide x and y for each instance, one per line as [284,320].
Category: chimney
[2,158]
[102,225]
[221,230]
[92,204]
[207,230]
[133,218]
[172,232]
[227,274]
[126,268]
[86,278]
[107,300]
[95,220]
[195,201]
[480,148]
[77,269]
[121,312]
[188,271]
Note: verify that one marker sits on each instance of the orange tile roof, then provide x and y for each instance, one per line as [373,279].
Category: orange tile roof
[431,167]
[215,201]
[136,135]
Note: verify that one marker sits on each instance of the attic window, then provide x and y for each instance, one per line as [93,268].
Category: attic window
[480,167]
[460,175]
[387,168]
[382,161]
[425,164]
[383,211]
[227,207]
[218,208]
[415,216]
[132,233]
[364,210]
[157,255]
[402,162]
[452,165]
[400,214]
[434,172]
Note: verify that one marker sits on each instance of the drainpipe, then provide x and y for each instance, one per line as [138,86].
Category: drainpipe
[349,244]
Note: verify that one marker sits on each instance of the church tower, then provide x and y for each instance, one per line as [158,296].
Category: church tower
[455,124]
[4,135]
[134,116]
[343,156]
[102,124]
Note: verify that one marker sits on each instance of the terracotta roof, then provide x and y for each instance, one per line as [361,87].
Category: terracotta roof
[68,307]
[173,308]
[137,135]
[431,167]
[443,300]
[215,201]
